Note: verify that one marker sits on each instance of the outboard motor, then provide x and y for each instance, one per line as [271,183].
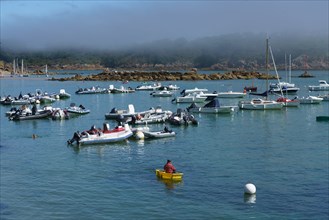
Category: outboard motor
[114,110]
[76,137]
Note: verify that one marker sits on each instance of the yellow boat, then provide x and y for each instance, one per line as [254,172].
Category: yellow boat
[168,176]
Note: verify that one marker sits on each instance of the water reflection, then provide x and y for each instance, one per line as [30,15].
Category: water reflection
[170,184]
[250,199]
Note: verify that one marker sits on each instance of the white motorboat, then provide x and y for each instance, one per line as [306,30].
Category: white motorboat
[284,90]
[101,136]
[122,89]
[151,118]
[172,87]
[59,114]
[182,117]
[189,98]
[212,107]
[325,97]
[323,86]
[92,90]
[260,104]
[159,134]
[63,94]
[162,93]
[195,97]
[80,110]
[148,87]
[231,94]
[310,100]
[195,90]
[116,114]
[282,85]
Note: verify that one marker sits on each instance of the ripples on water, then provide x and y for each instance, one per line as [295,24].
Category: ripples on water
[284,153]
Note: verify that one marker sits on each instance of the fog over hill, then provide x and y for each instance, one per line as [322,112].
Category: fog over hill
[240,50]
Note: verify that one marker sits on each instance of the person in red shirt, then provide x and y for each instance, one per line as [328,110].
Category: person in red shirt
[169,167]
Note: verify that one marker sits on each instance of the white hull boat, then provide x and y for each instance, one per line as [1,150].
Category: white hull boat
[311,100]
[231,94]
[260,104]
[122,89]
[213,107]
[95,136]
[323,86]
[159,134]
[163,93]
[79,110]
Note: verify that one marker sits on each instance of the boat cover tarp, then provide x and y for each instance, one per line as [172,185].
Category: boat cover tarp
[212,103]
[260,94]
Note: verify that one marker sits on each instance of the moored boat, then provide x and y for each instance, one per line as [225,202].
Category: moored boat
[182,117]
[59,114]
[92,90]
[231,94]
[159,134]
[122,89]
[26,113]
[323,86]
[63,94]
[80,110]
[260,104]
[310,100]
[288,102]
[162,93]
[101,136]
[212,107]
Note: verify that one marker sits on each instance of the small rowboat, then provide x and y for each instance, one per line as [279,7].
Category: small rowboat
[168,176]
[159,134]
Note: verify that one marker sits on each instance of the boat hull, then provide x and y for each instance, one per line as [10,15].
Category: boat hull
[215,110]
[168,176]
[105,138]
[159,134]
[263,105]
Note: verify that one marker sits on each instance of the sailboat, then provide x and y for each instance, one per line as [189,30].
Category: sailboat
[286,101]
[258,103]
[285,87]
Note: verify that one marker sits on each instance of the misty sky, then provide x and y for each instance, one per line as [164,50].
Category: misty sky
[105,24]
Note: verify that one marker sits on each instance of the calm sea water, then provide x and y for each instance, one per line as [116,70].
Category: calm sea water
[284,153]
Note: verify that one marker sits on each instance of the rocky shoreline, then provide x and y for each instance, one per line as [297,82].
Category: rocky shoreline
[142,76]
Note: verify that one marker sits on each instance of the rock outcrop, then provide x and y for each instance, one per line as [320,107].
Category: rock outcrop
[165,76]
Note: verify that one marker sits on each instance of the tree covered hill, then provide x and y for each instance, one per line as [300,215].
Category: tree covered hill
[232,51]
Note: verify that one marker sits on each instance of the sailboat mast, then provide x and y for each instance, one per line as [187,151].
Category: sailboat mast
[289,68]
[14,67]
[266,64]
[22,67]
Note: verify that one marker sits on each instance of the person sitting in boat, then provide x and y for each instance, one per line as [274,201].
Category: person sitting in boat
[166,130]
[169,167]
[82,107]
[93,130]
[34,109]
[20,96]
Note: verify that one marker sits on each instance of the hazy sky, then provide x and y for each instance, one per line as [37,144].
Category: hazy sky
[114,24]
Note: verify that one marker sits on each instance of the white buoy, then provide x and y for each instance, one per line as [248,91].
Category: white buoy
[57,96]
[139,135]
[250,188]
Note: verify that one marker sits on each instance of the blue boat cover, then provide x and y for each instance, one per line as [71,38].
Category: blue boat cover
[212,103]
